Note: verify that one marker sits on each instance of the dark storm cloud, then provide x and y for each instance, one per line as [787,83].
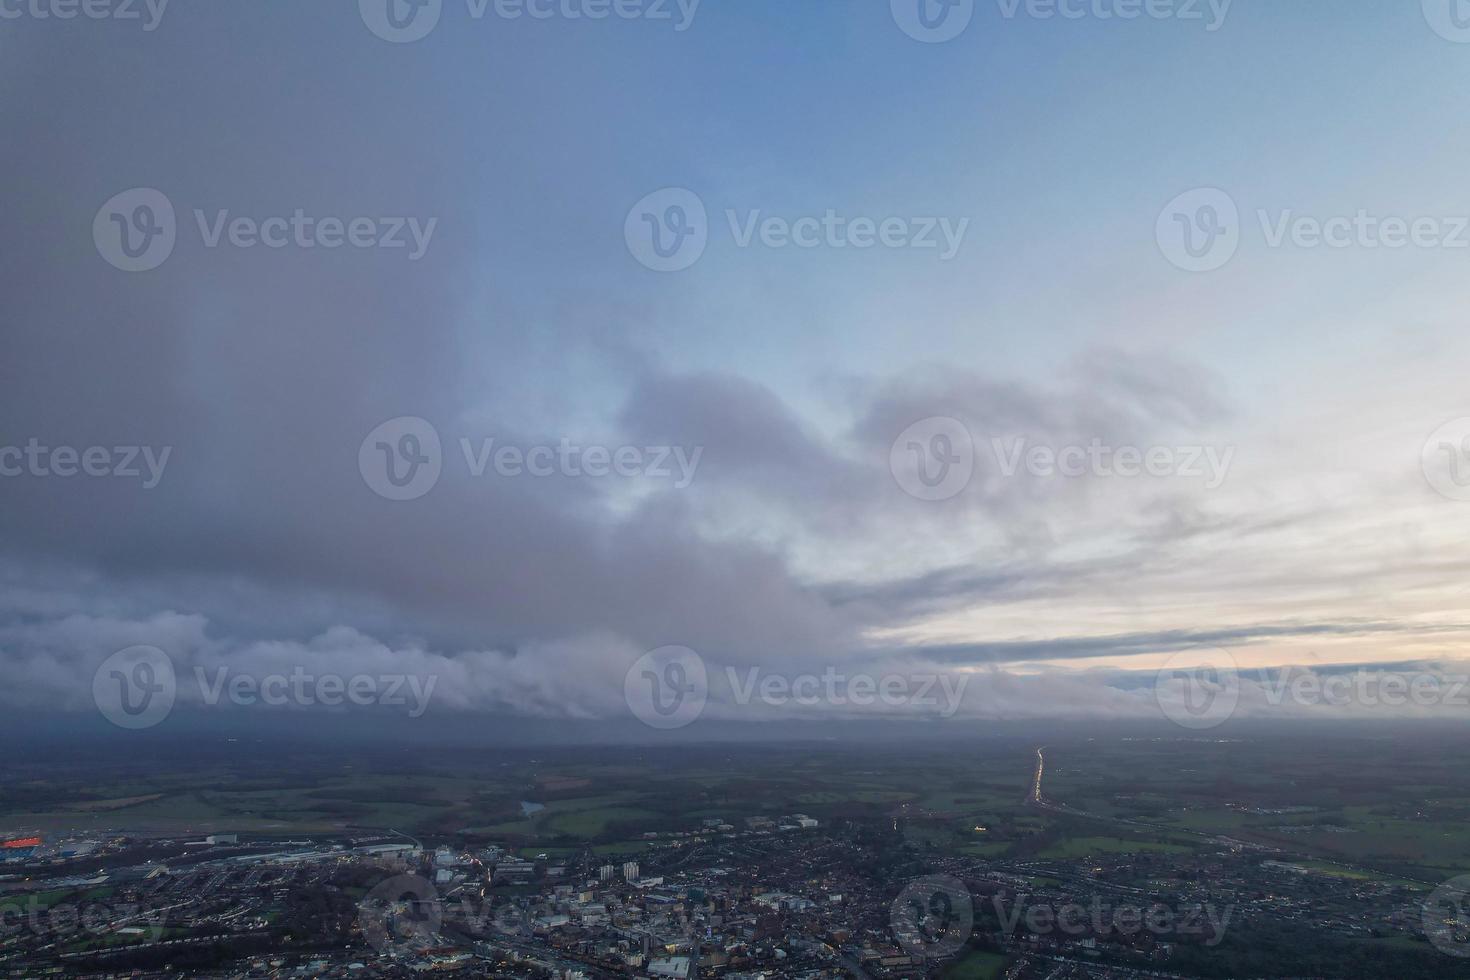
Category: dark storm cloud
[261,371]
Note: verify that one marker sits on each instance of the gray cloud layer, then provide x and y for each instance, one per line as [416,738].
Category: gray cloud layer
[262,547]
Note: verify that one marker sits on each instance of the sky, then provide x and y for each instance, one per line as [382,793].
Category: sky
[916,294]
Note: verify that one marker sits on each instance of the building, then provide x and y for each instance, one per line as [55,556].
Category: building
[670,966]
[18,848]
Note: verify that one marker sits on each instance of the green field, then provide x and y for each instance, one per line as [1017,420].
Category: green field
[1082,847]
[1385,809]
[976,965]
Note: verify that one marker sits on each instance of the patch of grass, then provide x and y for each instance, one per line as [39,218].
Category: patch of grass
[1081,847]
[976,966]
[590,823]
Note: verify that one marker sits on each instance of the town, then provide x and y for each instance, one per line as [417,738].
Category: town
[746,899]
